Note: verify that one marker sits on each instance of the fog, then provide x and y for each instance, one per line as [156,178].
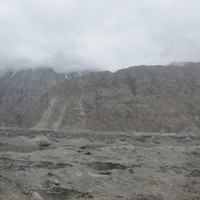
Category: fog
[71,35]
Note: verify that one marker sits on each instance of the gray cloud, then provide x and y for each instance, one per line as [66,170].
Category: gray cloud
[91,34]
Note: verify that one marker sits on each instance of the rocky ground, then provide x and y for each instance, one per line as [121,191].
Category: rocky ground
[92,165]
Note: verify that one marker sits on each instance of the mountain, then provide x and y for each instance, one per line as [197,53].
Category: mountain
[141,98]
[20,89]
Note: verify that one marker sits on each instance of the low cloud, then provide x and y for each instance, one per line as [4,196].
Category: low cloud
[91,34]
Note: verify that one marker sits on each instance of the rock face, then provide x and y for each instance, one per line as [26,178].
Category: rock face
[20,90]
[142,98]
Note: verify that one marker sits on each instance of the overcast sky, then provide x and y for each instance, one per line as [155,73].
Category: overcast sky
[71,35]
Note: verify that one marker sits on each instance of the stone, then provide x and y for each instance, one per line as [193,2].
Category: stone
[56,182]
[36,196]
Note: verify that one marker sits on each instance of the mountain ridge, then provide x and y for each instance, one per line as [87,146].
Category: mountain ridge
[142,98]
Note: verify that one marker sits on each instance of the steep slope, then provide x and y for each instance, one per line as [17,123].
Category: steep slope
[143,98]
[19,90]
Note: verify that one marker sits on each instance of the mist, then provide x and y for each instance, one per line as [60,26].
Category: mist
[74,35]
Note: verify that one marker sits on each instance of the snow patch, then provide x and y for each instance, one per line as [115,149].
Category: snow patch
[66,76]
[14,74]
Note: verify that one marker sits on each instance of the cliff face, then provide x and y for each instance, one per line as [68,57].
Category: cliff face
[143,98]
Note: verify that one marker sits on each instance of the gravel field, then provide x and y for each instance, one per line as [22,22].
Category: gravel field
[94,165]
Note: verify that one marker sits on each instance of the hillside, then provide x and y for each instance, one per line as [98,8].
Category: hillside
[20,90]
[142,98]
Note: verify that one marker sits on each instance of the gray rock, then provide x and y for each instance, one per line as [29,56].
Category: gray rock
[36,196]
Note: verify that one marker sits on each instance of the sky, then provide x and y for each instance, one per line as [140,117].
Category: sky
[73,35]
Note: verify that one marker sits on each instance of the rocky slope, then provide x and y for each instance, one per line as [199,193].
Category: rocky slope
[19,90]
[99,166]
[143,98]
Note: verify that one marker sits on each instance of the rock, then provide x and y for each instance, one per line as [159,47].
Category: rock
[36,196]
[56,182]
[131,171]
[48,183]
[44,143]
[25,192]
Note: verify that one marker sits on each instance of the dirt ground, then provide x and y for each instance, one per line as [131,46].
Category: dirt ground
[38,165]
